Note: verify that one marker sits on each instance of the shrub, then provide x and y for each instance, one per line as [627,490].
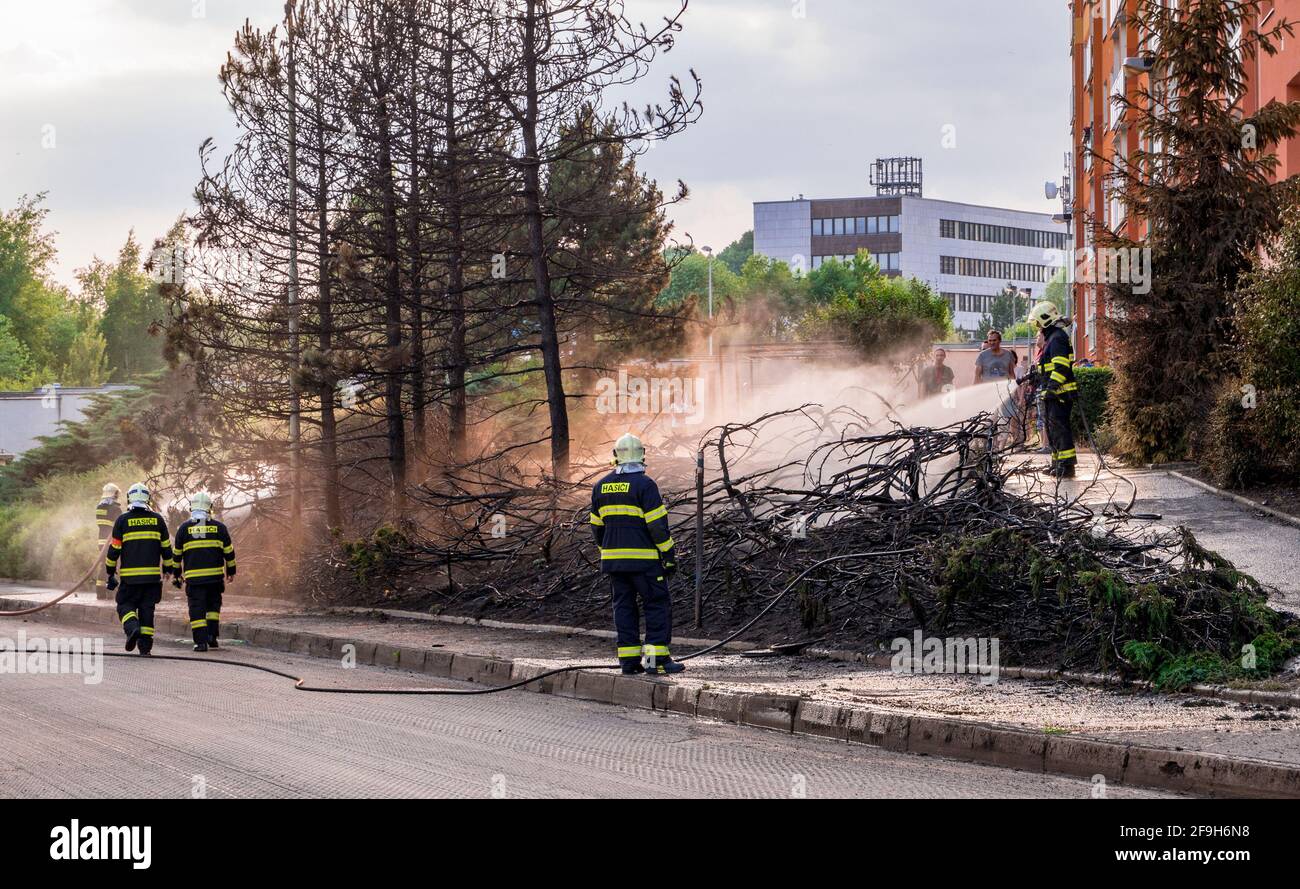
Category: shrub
[1255,419]
[377,557]
[1093,403]
[49,532]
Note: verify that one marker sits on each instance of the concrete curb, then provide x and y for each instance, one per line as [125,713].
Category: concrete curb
[1236,498]
[883,661]
[1116,762]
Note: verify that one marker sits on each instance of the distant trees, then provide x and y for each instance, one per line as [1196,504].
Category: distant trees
[131,305]
[845,301]
[880,316]
[47,334]
[738,251]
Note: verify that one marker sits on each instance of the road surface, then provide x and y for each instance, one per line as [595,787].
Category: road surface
[169,729]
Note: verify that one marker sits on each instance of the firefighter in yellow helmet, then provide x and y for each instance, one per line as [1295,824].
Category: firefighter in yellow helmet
[1055,379]
[630,524]
[106,512]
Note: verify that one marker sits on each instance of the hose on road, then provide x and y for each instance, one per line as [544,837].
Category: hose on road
[300,683]
[103,550]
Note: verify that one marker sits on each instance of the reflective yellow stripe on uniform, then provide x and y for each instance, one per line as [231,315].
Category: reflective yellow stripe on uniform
[141,535]
[195,624]
[1065,455]
[658,650]
[629,554]
[141,572]
[657,513]
[665,546]
[128,616]
[596,520]
[201,544]
[629,651]
[204,572]
[214,615]
[1058,376]
[621,509]
[146,631]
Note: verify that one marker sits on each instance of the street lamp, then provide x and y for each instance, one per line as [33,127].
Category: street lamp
[708,251]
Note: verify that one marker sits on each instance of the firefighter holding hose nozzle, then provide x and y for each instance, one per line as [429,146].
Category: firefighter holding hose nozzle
[1053,374]
[630,524]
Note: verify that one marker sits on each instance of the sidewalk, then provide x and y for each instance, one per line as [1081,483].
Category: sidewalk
[1256,542]
[1178,742]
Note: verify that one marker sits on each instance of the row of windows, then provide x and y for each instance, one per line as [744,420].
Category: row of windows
[981,303]
[1001,234]
[855,225]
[888,262]
[994,268]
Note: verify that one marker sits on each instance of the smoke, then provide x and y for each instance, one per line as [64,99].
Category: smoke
[671,405]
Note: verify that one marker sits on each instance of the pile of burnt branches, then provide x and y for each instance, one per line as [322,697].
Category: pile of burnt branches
[865,531]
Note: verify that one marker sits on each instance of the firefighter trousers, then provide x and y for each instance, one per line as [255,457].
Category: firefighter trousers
[652,587]
[135,605]
[1059,434]
[205,609]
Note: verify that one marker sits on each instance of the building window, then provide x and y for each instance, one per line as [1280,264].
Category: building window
[971,267]
[1002,234]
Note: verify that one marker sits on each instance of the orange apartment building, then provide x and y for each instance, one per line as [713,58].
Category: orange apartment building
[1104,38]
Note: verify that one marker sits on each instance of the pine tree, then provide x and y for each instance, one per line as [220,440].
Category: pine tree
[1202,182]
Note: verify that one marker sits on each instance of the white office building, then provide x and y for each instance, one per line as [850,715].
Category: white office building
[967,252]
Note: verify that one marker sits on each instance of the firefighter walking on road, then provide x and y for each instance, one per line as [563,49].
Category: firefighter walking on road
[1055,379]
[630,524]
[106,512]
[140,550]
[205,560]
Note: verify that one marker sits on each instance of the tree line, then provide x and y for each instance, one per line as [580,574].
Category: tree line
[429,232]
[50,333]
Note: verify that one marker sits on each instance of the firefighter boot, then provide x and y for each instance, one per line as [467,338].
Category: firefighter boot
[200,631]
[146,641]
[629,658]
[131,626]
[664,666]
[214,628]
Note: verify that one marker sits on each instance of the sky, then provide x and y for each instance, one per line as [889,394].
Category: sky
[104,103]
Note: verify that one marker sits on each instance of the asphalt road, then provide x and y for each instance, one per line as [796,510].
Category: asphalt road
[169,729]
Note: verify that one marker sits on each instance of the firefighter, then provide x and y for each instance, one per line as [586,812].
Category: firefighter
[140,550]
[1055,379]
[630,524]
[106,512]
[205,560]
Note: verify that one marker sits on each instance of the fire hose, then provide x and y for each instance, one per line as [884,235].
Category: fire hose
[99,560]
[300,683]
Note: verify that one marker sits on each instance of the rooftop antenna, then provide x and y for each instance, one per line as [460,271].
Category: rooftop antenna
[897,176]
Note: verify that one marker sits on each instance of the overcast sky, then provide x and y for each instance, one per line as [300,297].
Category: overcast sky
[103,104]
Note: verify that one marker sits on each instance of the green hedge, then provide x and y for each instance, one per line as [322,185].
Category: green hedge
[1094,396]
